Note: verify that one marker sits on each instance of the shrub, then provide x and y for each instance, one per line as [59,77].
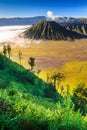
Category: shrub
[50,92]
[80,98]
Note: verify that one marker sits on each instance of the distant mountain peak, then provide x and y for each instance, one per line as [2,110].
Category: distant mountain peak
[50,30]
[79,25]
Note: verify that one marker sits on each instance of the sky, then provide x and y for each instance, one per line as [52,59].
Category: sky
[31,8]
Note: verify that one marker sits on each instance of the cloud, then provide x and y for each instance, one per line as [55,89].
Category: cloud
[10,34]
[50,15]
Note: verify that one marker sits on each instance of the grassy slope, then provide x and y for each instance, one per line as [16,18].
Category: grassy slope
[14,75]
[23,104]
[19,90]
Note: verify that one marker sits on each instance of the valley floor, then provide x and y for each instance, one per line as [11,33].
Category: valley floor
[68,56]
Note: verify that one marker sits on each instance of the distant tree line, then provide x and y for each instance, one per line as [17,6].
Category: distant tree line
[7,51]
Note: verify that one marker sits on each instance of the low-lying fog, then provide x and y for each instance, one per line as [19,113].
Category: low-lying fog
[10,34]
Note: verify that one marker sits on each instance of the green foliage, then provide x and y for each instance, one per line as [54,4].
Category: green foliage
[72,120]
[28,112]
[26,102]
[50,92]
[80,98]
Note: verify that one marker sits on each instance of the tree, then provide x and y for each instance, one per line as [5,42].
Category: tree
[4,50]
[48,78]
[80,98]
[20,56]
[38,71]
[9,50]
[31,62]
[57,77]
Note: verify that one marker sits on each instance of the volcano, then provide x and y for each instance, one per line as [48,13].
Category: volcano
[50,30]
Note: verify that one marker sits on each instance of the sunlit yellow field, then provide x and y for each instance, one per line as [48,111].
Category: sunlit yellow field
[75,72]
[69,57]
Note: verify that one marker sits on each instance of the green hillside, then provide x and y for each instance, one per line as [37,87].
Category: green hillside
[50,30]
[28,103]
[16,76]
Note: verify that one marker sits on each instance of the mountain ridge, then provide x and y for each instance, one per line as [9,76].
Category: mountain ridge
[20,20]
[79,25]
[50,30]
[31,20]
